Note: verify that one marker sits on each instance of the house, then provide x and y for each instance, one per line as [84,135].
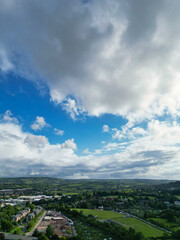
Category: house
[30,216]
[100,208]
[20,215]
[37,210]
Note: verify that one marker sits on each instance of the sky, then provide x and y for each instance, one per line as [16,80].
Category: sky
[90,89]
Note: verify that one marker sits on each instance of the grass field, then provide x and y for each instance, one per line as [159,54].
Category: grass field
[146,229]
[139,226]
[100,214]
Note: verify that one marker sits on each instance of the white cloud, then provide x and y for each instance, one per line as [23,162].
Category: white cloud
[86,151]
[127,133]
[8,117]
[34,141]
[59,132]
[39,123]
[69,144]
[154,154]
[116,57]
[105,128]
[72,107]
[33,153]
[97,151]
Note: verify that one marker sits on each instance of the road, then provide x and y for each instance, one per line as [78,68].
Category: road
[37,225]
[9,236]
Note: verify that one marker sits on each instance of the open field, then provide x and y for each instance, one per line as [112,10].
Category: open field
[139,226]
[101,214]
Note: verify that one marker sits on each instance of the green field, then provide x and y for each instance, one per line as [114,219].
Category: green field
[146,229]
[101,214]
[139,226]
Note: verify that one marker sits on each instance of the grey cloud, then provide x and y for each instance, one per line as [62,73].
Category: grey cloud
[142,20]
[24,154]
[130,174]
[159,155]
[112,56]
[9,167]
[141,163]
[34,141]
[8,136]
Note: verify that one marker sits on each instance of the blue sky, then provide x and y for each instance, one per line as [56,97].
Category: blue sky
[90,89]
[24,99]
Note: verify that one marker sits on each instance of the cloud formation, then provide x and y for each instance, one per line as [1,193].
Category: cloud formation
[58,132]
[152,153]
[39,123]
[33,153]
[105,128]
[8,117]
[116,57]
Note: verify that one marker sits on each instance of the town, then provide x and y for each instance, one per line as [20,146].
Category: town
[90,209]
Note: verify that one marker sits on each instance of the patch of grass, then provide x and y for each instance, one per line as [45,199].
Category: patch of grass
[100,214]
[139,226]
[17,228]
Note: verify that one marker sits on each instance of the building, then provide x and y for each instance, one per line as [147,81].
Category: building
[30,216]
[37,210]
[21,214]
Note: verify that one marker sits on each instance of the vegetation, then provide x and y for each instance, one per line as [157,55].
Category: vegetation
[149,200]
[129,222]
[100,214]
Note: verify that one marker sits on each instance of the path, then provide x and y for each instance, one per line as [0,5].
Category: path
[37,225]
[9,236]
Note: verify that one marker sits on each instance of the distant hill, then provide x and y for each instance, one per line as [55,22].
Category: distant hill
[64,185]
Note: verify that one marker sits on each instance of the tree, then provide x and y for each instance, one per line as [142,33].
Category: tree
[49,231]
[55,237]
[43,237]
[30,224]
[176,235]
[2,237]
[17,231]
[6,225]
[36,233]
